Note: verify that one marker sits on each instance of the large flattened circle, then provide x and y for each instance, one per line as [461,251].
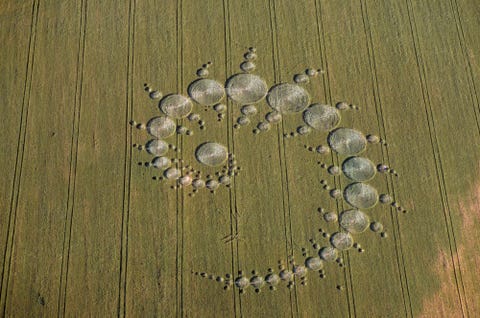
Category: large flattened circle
[354,221]
[176,106]
[360,195]
[321,117]
[211,154]
[341,241]
[161,162]
[314,263]
[206,91]
[328,253]
[288,98]
[157,147]
[347,141]
[161,127]
[246,88]
[358,169]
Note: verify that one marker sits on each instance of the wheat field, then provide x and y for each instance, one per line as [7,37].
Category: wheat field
[87,232]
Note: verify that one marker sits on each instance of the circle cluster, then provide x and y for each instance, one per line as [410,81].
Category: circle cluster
[246,89]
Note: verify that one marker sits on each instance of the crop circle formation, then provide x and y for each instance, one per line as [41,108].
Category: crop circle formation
[212,165]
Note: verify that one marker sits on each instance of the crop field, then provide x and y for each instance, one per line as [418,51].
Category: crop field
[250,158]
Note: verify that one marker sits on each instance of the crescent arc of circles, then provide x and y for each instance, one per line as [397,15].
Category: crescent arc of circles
[248,89]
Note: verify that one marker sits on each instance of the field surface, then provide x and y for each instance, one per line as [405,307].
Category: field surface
[87,229]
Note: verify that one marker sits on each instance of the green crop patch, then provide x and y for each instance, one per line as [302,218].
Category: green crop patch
[239,158]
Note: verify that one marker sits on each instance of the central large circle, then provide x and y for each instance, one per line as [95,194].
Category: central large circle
[288,98]
[206,91]
[246,88]
[360,195]
[211,154]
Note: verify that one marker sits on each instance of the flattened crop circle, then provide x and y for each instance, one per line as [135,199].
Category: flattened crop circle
[176,106]
[341,241]
[161,127]
[346,141]
[246,88]
[321,117]
[206,92]
[358,169]
[211,154]
[354,221]
[157,147]
[288,98]
[328,254]
[314,263]
[360,195]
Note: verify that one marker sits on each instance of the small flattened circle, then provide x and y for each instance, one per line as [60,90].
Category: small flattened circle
[330,217]
[176,106]
[360,195]
[321,117]
[206,92]
[157,147]
[161,127]
[346,141]
[246,88]
[273,117]
[376,226]
[328,254]
[301,78]
[341,241]
[243,120]
[288,98]
[211,154]
[354,221]
[385,198]
[358,169]
[249,110]
[247,66]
